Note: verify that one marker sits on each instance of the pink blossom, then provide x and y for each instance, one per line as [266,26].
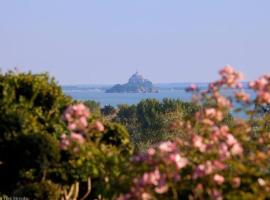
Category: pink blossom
[261,182]
[198,143]
[263,97]
[230,77]
[218,179]
[72,126]
[237,149]
[251,84]
[64,142]
[218,165]
[167,146]
[239,85]
[178,160]
[151,151]
[222,102]
[97,125]
[203,169]
[226,70]
[199,171]
[261,83]
[151,178]
[208,122]
[146,196]
[242,96]
[161,189]
[77,138]
[209,168]
[224,129]
[216,195]
[223,151]
[192,88]
[236,182]
[83,121]
[210,112]
[231,140]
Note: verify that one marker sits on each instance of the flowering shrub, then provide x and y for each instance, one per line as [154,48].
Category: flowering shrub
[212,159]
[93,153]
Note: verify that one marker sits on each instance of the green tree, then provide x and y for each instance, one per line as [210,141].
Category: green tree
[30,123]
[93,106]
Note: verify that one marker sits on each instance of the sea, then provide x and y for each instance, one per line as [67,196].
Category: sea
[98,94]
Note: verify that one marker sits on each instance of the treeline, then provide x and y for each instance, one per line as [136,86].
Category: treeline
[148,122]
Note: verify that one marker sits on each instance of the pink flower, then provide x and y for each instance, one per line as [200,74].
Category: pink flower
[208,122]
[179,161]
[251,84]
[218,165]
[208,167]
[151,178]
[83,121]
[192,88]
[146,196]
[218,179]
[236,182]
[161,189]
[198,143]
[242,96]
[216,195]
[72,126]
[77,138]
[167,146]
[97,125]
[263,97]
[237,149]
[203,169]
[261,83]
[64,142]
[210,112]
[151,151]
[226,70]
[223,151]
[222,102]
[230,77]
[224,129]
[231,140]
[239,85]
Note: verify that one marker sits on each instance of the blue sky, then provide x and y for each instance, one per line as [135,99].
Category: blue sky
[98,41]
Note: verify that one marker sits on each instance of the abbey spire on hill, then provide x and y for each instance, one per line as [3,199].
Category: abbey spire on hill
[136,84]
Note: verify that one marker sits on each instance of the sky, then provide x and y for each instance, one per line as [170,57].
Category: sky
[105,41]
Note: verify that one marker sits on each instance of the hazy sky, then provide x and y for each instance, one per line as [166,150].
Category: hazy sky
[105,41]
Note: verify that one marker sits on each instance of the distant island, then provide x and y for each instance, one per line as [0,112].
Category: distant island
[136,84]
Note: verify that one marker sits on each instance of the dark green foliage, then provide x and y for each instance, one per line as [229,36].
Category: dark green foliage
[149,121]
[108,110]
[93,106]
[30,123]
[117,136]
[34,151]
[30,103]
[39,191]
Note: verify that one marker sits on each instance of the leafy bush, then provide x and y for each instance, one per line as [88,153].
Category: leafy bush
[94,107]
[43,190]
[30,122]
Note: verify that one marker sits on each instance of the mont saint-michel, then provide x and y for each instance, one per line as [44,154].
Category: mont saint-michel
[136,84]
